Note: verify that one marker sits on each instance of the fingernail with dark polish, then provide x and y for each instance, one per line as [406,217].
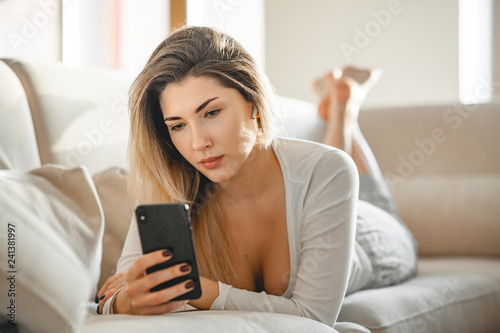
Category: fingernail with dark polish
[167,253]
[189,285]
[98,310]
[185,268]
[96,299]
[102,297]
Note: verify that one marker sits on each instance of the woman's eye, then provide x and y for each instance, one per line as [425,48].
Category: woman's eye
[177,127]
[212,113]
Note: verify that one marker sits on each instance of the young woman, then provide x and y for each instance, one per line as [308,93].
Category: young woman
[277,223]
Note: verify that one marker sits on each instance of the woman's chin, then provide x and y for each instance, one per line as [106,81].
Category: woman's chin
[216,177]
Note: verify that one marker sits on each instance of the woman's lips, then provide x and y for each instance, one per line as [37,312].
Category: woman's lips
[211,162]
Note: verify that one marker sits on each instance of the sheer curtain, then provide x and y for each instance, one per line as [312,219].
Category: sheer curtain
[30,29]
[118,34]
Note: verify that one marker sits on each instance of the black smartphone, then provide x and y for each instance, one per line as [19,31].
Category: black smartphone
[168,226]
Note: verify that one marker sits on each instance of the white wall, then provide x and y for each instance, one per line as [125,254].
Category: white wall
[415,43]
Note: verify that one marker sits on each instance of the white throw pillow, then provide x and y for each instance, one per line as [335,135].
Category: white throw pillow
[53,222]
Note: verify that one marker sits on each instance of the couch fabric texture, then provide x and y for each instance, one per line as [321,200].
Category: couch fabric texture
[63,140]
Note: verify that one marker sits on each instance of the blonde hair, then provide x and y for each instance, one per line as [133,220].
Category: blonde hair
[157,171]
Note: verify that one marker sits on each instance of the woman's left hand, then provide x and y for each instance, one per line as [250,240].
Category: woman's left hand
[112,285]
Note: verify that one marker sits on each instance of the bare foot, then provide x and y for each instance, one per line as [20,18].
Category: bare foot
[347,89]
[339,99]
[337,115]
[323,87]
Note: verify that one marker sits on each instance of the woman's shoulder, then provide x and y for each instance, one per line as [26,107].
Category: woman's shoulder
[302,156]
[307,151]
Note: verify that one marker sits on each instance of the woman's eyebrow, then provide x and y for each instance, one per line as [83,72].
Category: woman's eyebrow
[204,104]
[198,109]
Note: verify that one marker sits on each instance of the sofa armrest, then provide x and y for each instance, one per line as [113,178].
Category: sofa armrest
[18,146]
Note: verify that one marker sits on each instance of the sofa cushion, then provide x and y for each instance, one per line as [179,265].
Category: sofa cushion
[452,214]
[438,302]
[211,321]
[52,220]
[80,114]
[452,264]
[111,185]
[18,147]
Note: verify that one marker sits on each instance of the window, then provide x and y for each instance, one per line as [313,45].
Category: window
[476,36]
[118,34]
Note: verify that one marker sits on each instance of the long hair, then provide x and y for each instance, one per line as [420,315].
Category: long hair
[157,171]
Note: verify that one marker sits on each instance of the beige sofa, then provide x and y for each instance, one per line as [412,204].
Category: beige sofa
[65,224]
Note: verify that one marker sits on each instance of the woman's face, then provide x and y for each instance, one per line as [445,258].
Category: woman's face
[210,125]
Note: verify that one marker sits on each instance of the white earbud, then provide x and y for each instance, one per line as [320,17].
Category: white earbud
[254,113]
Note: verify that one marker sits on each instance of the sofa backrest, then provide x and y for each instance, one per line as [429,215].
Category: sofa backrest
[434,139]
[443,166]
[300,119]
[80,114]
[18,146]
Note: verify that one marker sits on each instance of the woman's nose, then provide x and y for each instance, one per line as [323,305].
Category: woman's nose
[201,140]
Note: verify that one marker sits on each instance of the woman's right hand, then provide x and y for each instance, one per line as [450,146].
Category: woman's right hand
[136,298]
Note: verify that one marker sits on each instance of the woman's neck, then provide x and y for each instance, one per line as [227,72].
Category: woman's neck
[258,173]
